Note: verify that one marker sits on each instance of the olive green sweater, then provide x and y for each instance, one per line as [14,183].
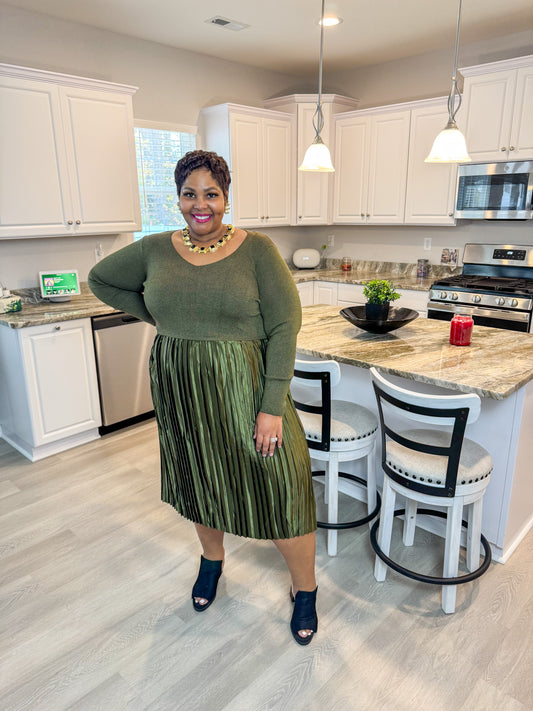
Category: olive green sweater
[248,295]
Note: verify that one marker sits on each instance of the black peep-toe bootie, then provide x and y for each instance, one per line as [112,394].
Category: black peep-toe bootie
[304,615]
[206,583]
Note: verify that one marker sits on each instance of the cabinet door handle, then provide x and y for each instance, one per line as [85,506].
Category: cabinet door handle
[57,328]
[511,148]
[70,222]
[450,214]
[503,148]
[78,222]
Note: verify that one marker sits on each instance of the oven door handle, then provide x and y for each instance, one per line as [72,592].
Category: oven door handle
[520,316]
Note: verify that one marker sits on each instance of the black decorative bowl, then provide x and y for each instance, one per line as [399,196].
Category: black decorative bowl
[397,318]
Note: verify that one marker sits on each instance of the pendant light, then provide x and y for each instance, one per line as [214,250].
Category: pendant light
[317,157]
[450,145]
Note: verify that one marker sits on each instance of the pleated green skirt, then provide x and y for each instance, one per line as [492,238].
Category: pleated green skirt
[206,397]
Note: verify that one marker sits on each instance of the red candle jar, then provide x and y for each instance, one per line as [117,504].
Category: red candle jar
[461,330]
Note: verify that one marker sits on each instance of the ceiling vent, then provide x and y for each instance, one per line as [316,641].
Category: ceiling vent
[226,24]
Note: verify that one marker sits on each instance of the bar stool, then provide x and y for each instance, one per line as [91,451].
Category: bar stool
[336,431]
[436,467]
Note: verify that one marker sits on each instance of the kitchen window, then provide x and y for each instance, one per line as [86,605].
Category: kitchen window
[158,148]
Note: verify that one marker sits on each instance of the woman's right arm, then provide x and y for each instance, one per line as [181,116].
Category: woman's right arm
[118,280]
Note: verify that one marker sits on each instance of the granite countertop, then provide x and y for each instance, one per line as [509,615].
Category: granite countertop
[36,312]
[421,351]
[401,280]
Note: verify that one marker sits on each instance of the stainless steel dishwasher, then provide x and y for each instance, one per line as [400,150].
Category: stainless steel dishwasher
[122,345]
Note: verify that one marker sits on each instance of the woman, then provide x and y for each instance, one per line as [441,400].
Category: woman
[233,454]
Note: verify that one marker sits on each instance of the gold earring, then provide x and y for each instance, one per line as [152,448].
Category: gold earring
[226,209]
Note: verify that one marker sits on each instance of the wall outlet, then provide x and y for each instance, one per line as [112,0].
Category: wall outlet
[427,244]
[331,240]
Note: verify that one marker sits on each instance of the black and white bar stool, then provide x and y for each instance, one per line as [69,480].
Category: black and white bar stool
[336,431]
[434,467]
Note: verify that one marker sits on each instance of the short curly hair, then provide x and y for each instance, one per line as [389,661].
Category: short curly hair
[194,160]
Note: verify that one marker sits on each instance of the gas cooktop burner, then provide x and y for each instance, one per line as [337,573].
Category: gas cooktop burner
[488,283]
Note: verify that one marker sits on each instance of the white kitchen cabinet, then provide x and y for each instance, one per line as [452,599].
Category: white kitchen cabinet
[413,299]
[352,155]
[306,293]
[259,147]
[350,295]
[314,190]
[497,114]
[49,387]
[371,152]
[325,292]
[340,294]
[68,155]
[430,193]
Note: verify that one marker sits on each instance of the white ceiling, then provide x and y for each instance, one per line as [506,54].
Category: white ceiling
[283,35]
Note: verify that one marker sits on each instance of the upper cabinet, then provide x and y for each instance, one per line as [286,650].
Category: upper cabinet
[314,190]
[430,195]
[258,146]
[68,155]
[371,150]
[497,112]
[381,177]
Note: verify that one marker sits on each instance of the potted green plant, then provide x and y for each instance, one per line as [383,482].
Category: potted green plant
[379,294]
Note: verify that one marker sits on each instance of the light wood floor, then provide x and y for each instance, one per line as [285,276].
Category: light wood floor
[95,608]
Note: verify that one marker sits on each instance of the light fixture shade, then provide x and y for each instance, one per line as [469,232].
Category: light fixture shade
[449,147]
[317,158]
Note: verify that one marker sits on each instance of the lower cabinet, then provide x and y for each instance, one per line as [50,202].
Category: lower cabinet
[49,388]
[306,292]
[325,292]
[334,294]
[350,295]
[411,299]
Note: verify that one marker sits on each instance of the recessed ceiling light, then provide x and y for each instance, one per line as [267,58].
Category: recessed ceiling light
[226,24]
[331,21]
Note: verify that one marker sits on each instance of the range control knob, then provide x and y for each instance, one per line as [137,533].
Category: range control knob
[514,302]
[443,294]
[454,296]
[476,298]
[500,301]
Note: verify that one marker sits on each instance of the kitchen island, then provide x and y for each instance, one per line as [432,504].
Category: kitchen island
[498,366]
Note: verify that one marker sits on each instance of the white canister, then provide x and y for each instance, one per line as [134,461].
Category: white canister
[306,258]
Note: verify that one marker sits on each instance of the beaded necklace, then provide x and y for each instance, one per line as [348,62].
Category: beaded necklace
[186,237]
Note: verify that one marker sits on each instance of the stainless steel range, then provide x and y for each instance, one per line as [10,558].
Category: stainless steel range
[495,288]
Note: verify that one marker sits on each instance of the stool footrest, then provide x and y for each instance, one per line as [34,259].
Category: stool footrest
[359,521]
[432,579]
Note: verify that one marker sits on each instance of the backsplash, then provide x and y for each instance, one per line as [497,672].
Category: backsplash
[402,269]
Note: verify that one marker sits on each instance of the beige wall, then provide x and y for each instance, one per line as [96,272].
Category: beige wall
[401,243]
[174,85]
[423,76]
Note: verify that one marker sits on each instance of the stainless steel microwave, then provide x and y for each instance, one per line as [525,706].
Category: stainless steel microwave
[495,191]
